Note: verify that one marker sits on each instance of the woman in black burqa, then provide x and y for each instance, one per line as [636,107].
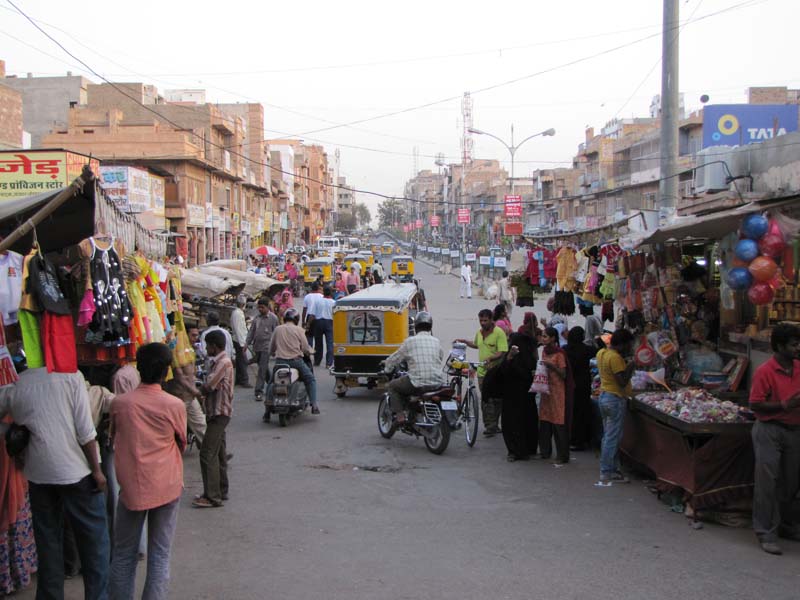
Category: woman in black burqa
[520,417]
[579,354]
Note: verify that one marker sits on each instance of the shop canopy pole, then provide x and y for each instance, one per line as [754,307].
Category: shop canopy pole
[47,210]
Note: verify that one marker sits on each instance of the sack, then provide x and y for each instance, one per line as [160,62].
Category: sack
[17,438]
[541,380]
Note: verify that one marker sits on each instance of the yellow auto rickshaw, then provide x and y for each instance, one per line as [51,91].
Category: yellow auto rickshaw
[376,249]
[369,256]
[403,268]
[388,249]
[351,258]
[316,268]
[368,326]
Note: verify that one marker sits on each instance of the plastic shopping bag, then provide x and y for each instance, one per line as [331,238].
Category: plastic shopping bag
[541,380]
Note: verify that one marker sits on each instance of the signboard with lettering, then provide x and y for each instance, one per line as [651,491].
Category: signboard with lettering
[740,124]
[405,228]
[157,195]
[513,228]
[513,205]
[463,216]
[485,260]
[454,254]
[419,223]
[499,261]
[196,216]
[209,215]
[29,172]
[435,220]
[470,257]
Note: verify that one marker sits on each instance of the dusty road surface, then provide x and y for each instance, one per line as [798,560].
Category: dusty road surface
[327,509]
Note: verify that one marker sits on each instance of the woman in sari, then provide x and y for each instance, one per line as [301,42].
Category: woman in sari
[555,406]
[501,319]
[17,548]
[520,418]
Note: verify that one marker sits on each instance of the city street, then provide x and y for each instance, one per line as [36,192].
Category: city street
[326,508]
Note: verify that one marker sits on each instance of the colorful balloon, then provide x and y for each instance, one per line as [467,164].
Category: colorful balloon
[739,278]
[771,245]
[755,226]
[747,249]
[760,293]
[777,282]
[763,268]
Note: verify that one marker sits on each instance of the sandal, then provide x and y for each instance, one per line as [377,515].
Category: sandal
[205,503]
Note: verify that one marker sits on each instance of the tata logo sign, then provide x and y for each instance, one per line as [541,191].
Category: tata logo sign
[740,124]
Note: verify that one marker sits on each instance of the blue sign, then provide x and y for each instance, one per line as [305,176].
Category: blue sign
[741,124]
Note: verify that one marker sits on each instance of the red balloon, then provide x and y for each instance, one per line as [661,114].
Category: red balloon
[777,282]
[763,268]
[771,245]
[775,229]
[738,263]
[760,293]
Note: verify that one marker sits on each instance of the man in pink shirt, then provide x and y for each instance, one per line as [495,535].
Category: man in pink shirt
[149,435]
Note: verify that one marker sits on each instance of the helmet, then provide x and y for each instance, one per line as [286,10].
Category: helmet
[423,318]
[291,315]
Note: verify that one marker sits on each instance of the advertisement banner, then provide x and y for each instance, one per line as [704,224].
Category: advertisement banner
[157,195]
[485,260]
[470,257]
[32,172]
[513,205]
[209,215]
[196,216]
[435,220]
[236,221]
[419,224]
[463,216]
[114,181]
[245,226]
[405,228]
[454,254]
[513,228]
[499,261]
[741,124]
[138,190]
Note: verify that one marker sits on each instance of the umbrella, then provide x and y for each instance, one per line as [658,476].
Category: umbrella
[266,251]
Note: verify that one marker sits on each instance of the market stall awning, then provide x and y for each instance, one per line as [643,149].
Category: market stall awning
[195,283]
[255,284]
[71,222]
[711,227]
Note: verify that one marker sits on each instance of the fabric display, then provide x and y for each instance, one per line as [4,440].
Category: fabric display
[10,286]
[564,303]
[8,373]
[566,269]
[112,315]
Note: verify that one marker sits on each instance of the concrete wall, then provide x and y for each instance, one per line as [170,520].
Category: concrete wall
[11,118]
[46,102]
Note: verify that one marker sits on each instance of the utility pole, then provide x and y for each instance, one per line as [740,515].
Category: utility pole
[668,188]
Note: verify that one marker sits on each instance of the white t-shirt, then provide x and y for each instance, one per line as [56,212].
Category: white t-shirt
[325,307]
[10,286]
[312,304]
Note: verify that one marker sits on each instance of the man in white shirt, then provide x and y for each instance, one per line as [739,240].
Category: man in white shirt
[310,311]
[63,470]
[466,281]
[239,328]
[212,320]
[507,293]
[323,326]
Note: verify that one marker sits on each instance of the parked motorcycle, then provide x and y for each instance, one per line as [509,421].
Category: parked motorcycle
[286,395]
[428,415]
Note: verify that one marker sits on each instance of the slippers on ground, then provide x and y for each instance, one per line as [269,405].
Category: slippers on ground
[205,503]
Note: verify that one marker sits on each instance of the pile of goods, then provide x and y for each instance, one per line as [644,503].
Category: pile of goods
[695,405]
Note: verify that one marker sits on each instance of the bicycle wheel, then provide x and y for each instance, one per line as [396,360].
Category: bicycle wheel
[471,417]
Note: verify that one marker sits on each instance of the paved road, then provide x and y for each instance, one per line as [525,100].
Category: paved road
[326,508]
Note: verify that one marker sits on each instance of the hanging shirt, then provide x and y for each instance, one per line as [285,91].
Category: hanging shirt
[10,286]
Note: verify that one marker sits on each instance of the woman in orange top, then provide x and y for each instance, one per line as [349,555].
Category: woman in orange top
[555,407]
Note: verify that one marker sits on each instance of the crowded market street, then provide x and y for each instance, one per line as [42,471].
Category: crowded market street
[326,508]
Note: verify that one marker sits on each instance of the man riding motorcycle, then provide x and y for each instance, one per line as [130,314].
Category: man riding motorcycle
[423,356]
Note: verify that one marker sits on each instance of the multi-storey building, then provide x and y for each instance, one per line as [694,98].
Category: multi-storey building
[11,119]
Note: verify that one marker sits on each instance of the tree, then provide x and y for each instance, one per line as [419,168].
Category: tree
[346,221]
[390,212]
[362,214]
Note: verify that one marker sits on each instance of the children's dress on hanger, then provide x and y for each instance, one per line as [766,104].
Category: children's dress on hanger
[113,311]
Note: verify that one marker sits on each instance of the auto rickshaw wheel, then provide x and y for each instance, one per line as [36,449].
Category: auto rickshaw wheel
[340,389]
[283,420]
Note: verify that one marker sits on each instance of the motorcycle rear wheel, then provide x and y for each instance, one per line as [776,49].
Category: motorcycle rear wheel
[437,443]
[471,417]
[386,424]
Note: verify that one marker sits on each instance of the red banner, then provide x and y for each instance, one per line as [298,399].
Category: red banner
[435,221]
[405,228]
[512,228]
[513,205]
[419,223]
[463,216]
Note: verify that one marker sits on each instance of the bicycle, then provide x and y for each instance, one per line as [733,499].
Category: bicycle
[467,405]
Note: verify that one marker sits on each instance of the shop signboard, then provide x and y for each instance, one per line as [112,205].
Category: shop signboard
[741,124]
[463,216]
[114,181]
[138,190]
[513,228]
[419,223]
[485,260]
[513,205]
[245,226]
[470,257]
[454,254]
[435,221]
[196,216]
[499,261]
[29,172]
[209,215]
[157,195]
[236,221]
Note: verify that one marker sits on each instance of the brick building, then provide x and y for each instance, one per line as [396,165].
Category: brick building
[11,114]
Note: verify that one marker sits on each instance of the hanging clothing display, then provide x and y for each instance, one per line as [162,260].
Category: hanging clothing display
[112,315]
[566,269]
[58,335]
[31,339]
[10,286]
[8,373]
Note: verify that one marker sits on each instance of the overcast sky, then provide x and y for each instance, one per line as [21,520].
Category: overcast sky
[316,65]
